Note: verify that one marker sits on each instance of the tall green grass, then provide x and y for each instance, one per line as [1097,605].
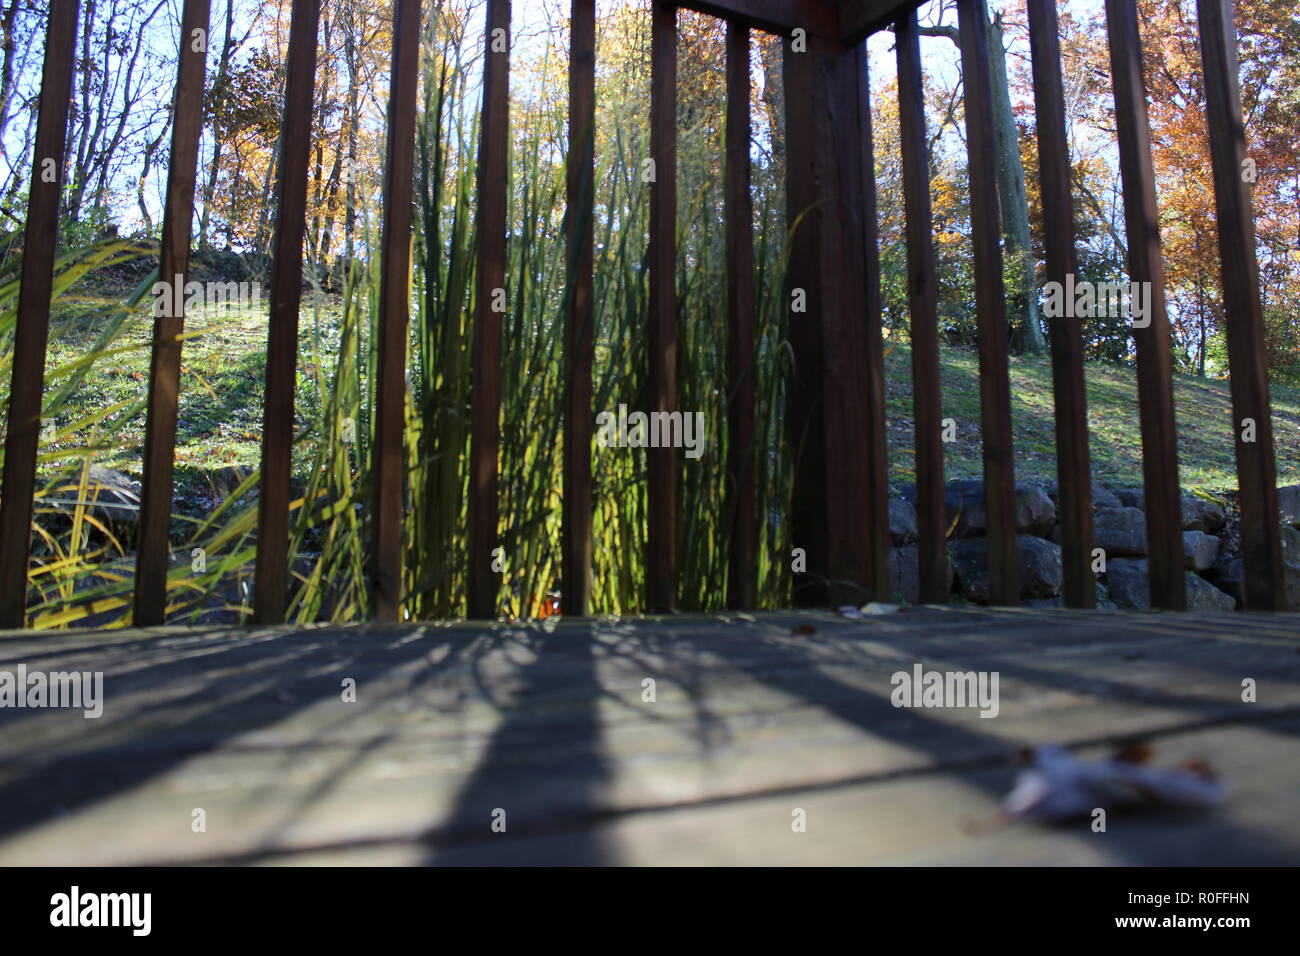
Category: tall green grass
[82,570]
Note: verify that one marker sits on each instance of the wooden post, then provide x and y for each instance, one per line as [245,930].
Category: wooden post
[874,435]
[1154,364]
[394,315]
[1261,534]
[579,346]
[990,304]
[1073,470]
[661,530]
[830,399]
[742,579]
[922,288]
[272,568]
[32,327]
[153,547]
[485,409]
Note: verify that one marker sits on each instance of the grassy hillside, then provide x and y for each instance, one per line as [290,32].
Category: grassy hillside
[1203,410]
[222,371]
[220,413]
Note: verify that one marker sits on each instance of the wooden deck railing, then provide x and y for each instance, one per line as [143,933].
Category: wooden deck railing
[839,512]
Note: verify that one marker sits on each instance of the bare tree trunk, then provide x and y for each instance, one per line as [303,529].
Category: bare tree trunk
[80,113]
[325,181]
[13,24]
[1200,307]
[1022,315]
[351,122]
[774,97]
[7,22]
[116,78]
[262,240]
[218,84]
[150,150]
[1027,331]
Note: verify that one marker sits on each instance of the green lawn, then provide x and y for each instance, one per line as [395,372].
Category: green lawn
[219,421]
[1203,408]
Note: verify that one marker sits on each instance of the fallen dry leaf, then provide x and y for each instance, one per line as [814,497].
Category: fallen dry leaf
[867,610]
[1059,786]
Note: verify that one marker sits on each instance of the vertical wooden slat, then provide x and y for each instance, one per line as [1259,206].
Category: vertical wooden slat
[990,304]
[922,288]
[394,315]
[874,436]
[575,574]
[830,395]
[272,568]
[1074,483]
[485,411]
[742,574]
[1154,363]
[1261,536]
[153,549]
[661,532]
[31,332]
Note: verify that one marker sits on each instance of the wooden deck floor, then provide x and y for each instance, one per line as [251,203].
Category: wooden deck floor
[546,722]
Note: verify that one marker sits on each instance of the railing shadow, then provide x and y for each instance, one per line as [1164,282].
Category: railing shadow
[181,709]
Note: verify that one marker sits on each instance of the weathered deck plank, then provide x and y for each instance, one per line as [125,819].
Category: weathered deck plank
[547,721]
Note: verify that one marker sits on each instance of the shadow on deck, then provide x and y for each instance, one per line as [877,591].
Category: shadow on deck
[546,729]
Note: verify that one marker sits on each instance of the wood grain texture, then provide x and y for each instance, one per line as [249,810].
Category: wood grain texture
[752,716]
[860,18]
[742,574]
[923,306]
[394,316]
[490,290]
[661,530]
[153,545]
[874,434]
[830,387]
[990,304]
[1261,534]
[579,343]
[32,322]
[1152,341]
[1073,466]
[774,16]
[271,575]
